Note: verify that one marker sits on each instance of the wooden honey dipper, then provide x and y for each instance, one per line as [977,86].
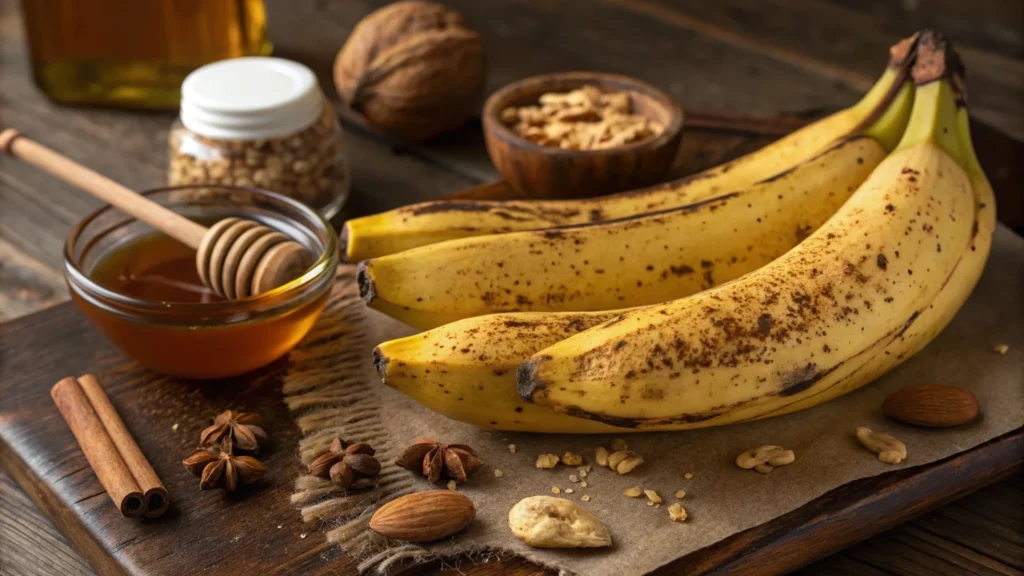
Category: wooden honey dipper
[235,258]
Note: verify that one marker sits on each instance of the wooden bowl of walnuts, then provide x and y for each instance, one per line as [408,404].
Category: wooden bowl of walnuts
[579,134]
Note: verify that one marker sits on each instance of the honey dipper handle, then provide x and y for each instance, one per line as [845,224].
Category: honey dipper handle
[171,223]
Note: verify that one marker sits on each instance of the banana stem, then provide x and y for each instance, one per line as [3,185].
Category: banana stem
[937,74]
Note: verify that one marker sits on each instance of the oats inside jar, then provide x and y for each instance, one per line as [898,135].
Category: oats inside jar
[587,118]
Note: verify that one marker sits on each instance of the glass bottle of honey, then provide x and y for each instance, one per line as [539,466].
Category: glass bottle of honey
[135,53]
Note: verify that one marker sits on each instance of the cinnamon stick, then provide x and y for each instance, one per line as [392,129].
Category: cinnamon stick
[98,448]
[156,497]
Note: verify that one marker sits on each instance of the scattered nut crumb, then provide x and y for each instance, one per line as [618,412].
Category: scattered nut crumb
[547,461]
[649,503]
[601,456]
[302,536]
[584,470]
[633,492]
[451,485]
[572,459]
[680,494]
[676,512]
[174,427]
[583,484]
[512,448]
[574,478]
[619,445]
[556,490]
[498,473]
[688,475]
[1002,349]
[569,490]
[585,497]
[653,496]
[279,526]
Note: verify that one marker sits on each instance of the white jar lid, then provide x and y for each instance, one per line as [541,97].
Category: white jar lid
[250,99]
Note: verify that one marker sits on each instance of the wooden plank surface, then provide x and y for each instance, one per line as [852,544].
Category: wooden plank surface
[35,211]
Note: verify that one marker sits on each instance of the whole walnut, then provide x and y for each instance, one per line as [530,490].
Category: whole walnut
[412,69]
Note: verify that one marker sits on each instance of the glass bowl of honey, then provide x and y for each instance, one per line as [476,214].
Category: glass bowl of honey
[140,287]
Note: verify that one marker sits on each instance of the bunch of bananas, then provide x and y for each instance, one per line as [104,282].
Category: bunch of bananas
[770,284]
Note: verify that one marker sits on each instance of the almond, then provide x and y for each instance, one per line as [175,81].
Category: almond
[424,516]
[932,405]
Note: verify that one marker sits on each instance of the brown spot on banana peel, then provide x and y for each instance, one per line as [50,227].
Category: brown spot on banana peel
[555,232]
[623,422]
[498,209]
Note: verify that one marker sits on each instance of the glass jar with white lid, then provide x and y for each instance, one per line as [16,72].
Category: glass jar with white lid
[260,122]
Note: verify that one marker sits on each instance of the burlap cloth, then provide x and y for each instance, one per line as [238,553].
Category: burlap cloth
[334,391]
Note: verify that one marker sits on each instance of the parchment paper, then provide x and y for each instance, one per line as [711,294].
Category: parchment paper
[720,498]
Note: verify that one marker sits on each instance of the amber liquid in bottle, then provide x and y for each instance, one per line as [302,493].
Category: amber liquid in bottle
[135,52]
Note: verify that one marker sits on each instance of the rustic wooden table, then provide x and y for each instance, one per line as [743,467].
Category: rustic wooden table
[731,55]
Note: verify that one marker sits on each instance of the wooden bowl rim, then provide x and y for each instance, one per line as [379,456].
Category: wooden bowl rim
[496,102]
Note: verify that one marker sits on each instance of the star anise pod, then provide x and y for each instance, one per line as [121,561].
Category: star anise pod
[347,465]
[241,427]
[218,467]
[433,459]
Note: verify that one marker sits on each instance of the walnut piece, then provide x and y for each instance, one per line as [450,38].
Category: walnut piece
[601,456]
[889,449]
[546,522]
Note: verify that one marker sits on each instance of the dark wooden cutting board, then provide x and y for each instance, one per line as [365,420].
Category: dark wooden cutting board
[258,531]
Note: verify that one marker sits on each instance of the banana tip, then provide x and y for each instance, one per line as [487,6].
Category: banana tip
[367,289]
[530,387]
[380,363]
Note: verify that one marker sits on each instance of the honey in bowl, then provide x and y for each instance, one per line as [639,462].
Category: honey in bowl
[154,267]
[142,290]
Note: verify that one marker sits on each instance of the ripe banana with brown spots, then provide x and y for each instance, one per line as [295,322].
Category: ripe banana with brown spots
[437,221]
[955,289]
[634,261]
[806,327]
